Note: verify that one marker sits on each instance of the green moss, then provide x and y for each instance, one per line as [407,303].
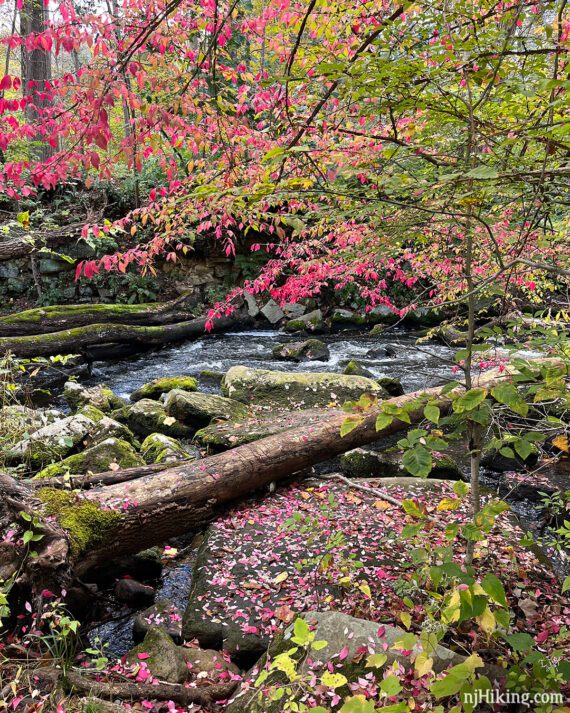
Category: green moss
[377,330]
[97,459]
[211,375]
[158,448]
[84,520]
[45,314]
[157,387]
[92,412]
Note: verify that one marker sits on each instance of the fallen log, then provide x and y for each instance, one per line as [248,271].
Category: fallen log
[36,241]
[80,339]
[92,526]
[45,320]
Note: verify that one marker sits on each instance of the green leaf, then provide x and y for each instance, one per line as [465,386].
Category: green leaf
[357,704]
[483,172]
[452,682]
[469,400]
[391,686]
[494,588]
[383,421]
[520,641]
[412,508]
[508,395]
[566,585]
[524,448]
[460,488]
[376,660]
[349,425]
[418,461]
[301,631]
[432,413]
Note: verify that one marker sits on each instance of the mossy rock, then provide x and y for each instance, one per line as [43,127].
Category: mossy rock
[347,318]
[289,390]
[309,350]
[377,330]
[100,396]
[211,375]
[147,416]
[310,322]
[85,521]
[392,385]
[157,387]
[108,427]
[353,368]
[165,659]
[52,442]
[199,410]
[97,459]
[92,412]
[425,317]
[19,418]
[158,448]
[382,316]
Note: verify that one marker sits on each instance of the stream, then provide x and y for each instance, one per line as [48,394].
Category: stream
[394,354]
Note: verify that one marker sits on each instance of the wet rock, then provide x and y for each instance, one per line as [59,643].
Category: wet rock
[353,368]
[424,317]
[97,459]
[163,658]
[221,436]
[377,330]
[157,387]
[158,448]
[310,322]
[344,318]
[100,396]
[208,661]
[309,350]
[392,385]
[382,352]
[289,390]
[144,566]
[381,315]
[134,593]
[162,614]
[147,416]
[199,409]
[51,442]
[501,463]
[211,375]
[294,310]
[364,463]
[272,312]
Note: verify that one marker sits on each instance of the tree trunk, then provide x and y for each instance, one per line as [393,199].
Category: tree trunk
[45,320]
[36,72]
[37,240]
[92,526]
[79,339]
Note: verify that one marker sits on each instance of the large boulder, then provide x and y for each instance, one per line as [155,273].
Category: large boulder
[272,312]
[346,637]
[310,322]
[147,416]
[158,448]
[290,390]
[17,418]
[309,350]
[157,387]
[97,459]
[100,396]
[346,318]
[108,427]
[198,410]
[52,442]
[163,614]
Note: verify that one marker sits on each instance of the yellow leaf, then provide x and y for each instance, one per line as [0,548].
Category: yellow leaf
[333,680]
[281,577]
[365,589]
[423,664]
[406,619]
[381,505]
[561,442]
[487,621]
[474,661]
[449,504]
[169,420]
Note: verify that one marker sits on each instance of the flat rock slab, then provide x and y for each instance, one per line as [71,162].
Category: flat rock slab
[260,565]
[230,434]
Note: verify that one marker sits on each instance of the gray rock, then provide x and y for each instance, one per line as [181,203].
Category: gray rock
[158,448]
[134,593]
[272,312]
[365,463]
[162,614]
[347,318]
[51,442]
[147,416]
[353,368]
[97,459]
[294,310]
[392,385]
[155,389]
[199,409]
[100,396]
[309,350]
[288,390]
[310,322]
[251,303]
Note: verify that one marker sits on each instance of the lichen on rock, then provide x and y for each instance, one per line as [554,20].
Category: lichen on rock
[154,389]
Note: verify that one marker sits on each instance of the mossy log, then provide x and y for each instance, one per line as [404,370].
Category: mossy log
[80,339]
[45,320]
[88,527]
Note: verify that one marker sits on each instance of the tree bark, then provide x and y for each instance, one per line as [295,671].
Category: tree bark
[35,241]
[46,320]
[79,339]
[149,510]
